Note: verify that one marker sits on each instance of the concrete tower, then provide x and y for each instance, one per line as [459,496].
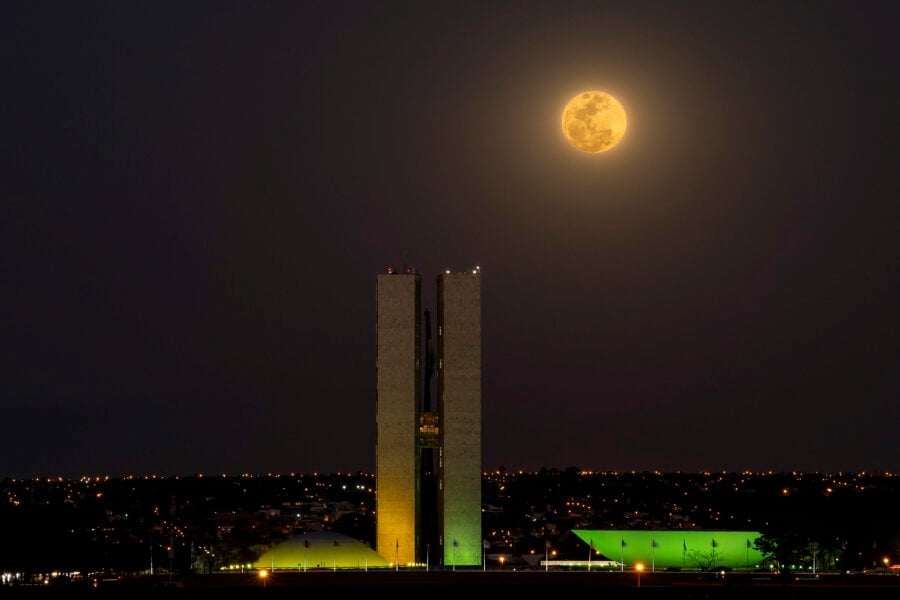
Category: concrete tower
[459,405]
[409,503]
[398,397]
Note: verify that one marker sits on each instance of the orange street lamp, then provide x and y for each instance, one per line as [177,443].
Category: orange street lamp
[263,574]
[639,567]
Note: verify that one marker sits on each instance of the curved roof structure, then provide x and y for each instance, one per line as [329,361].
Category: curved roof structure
[320,550]
[674,548]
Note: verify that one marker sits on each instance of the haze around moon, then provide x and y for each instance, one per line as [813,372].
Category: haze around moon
[594,121]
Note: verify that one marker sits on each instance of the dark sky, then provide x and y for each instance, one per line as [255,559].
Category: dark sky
[198,196]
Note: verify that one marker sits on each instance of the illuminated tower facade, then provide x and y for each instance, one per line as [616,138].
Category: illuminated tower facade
[422,512]
[398,394]
[459,406]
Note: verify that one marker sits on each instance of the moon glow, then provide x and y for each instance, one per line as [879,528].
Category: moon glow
[593,121]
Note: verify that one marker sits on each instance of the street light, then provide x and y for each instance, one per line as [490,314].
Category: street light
[639,567]
[546,556]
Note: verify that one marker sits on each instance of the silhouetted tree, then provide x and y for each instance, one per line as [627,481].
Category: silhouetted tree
[702,561]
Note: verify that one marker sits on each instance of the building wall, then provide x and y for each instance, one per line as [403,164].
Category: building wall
[397,402]
[459,402]
[662,549]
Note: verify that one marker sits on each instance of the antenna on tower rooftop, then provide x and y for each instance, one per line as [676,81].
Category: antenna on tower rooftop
[406,267]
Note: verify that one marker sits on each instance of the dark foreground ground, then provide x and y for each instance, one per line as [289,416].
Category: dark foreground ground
[549,585]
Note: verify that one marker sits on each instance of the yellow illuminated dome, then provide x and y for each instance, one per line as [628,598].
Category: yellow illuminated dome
[320,550]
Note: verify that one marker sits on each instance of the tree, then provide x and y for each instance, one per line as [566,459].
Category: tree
[702,561]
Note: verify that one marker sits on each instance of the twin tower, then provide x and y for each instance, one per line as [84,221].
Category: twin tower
[428,450]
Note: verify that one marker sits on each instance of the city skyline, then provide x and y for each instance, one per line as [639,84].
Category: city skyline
[196,199]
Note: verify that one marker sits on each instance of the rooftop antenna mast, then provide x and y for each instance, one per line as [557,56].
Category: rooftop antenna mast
[406,267]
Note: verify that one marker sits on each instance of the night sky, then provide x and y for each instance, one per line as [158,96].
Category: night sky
[196,198]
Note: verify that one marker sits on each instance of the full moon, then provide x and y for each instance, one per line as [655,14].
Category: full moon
[593,121]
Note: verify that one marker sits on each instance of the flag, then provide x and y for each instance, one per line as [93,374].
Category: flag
[623,543]
[714,544]
[398,544]
[684,545]
[455,543]
[592,544]
[306,543]
[336,544]
[653,543]
[748,542]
